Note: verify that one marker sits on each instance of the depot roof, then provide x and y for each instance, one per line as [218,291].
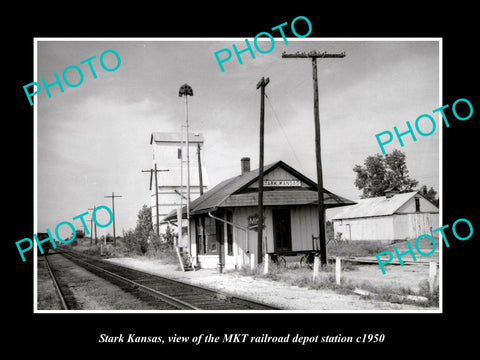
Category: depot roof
[235,192]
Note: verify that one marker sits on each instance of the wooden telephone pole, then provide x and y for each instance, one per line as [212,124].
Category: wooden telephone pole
[91,228]
[113,196]
[200,177]
[261,84]
[321,209]
[156,192]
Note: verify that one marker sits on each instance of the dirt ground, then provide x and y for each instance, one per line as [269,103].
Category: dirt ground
[89,291]
[47,298]
[292,297]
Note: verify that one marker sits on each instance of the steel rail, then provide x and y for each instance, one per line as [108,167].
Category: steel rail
[219,295]
[164,297]
[56,285]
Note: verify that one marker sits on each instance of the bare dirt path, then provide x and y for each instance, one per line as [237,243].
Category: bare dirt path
[266,290]
[86,290]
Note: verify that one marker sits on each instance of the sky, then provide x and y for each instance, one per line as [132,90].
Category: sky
[94,139]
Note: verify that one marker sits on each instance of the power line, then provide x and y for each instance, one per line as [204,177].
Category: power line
[284,134]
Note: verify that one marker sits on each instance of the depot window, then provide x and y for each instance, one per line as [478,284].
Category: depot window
[229,234]
[206,236]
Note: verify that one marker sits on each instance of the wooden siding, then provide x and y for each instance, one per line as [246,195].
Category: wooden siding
[304,222]
[246,241]
[372,228]
[411,226]
[396,227]
[425,206]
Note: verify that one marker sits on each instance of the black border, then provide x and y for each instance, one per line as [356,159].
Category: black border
[406,333]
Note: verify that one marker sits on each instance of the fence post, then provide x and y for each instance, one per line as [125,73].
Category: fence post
[433,274]
[338,269]
[252,261]
[316,266]
[265,265]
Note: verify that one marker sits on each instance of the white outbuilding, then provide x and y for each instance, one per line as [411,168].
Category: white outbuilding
[395,216]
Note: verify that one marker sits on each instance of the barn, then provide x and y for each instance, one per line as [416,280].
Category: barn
[395,216]
[223,220]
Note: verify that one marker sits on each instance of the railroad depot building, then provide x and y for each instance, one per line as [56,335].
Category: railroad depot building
[395,216]
[223,220]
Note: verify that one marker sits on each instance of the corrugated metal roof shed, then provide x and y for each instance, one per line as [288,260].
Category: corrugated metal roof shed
[377,206]
[175,137]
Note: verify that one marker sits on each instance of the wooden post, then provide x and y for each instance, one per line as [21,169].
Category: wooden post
[265,263]
[433,274]
[316,265]
[338,269]
[91,228]
[180,260]
[320,207]
[252,261]
[200,177]
[113,196]
[91,231]
[321,211]
[261,84]
[156,200]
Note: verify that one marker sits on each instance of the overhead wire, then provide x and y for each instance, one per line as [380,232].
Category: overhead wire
[284,133]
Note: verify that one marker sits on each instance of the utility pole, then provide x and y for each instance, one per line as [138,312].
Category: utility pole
[321,209]
[91,228]
[261,84]
[200,178]
[186,90]
[113,196]
[156,192]
[91,231]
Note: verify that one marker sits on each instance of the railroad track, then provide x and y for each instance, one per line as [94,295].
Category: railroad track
[61,296]
[177,294]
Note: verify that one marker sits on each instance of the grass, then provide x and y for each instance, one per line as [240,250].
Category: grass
[302,276]
[356,248]
[166,254]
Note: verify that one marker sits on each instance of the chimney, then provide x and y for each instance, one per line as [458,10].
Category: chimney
[245,164]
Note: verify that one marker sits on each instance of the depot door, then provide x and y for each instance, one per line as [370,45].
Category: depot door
[282,233]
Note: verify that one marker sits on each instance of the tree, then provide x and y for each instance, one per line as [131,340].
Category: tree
[137,240]
[144,228]
[381,172]
[169,236]
[430,194]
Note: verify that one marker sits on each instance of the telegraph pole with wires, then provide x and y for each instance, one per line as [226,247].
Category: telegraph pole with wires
[151,171]
[113,196]
[321,209]
[261,84]
[91,228]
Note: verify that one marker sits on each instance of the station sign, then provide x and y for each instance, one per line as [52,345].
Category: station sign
[282,183]
[253,222]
